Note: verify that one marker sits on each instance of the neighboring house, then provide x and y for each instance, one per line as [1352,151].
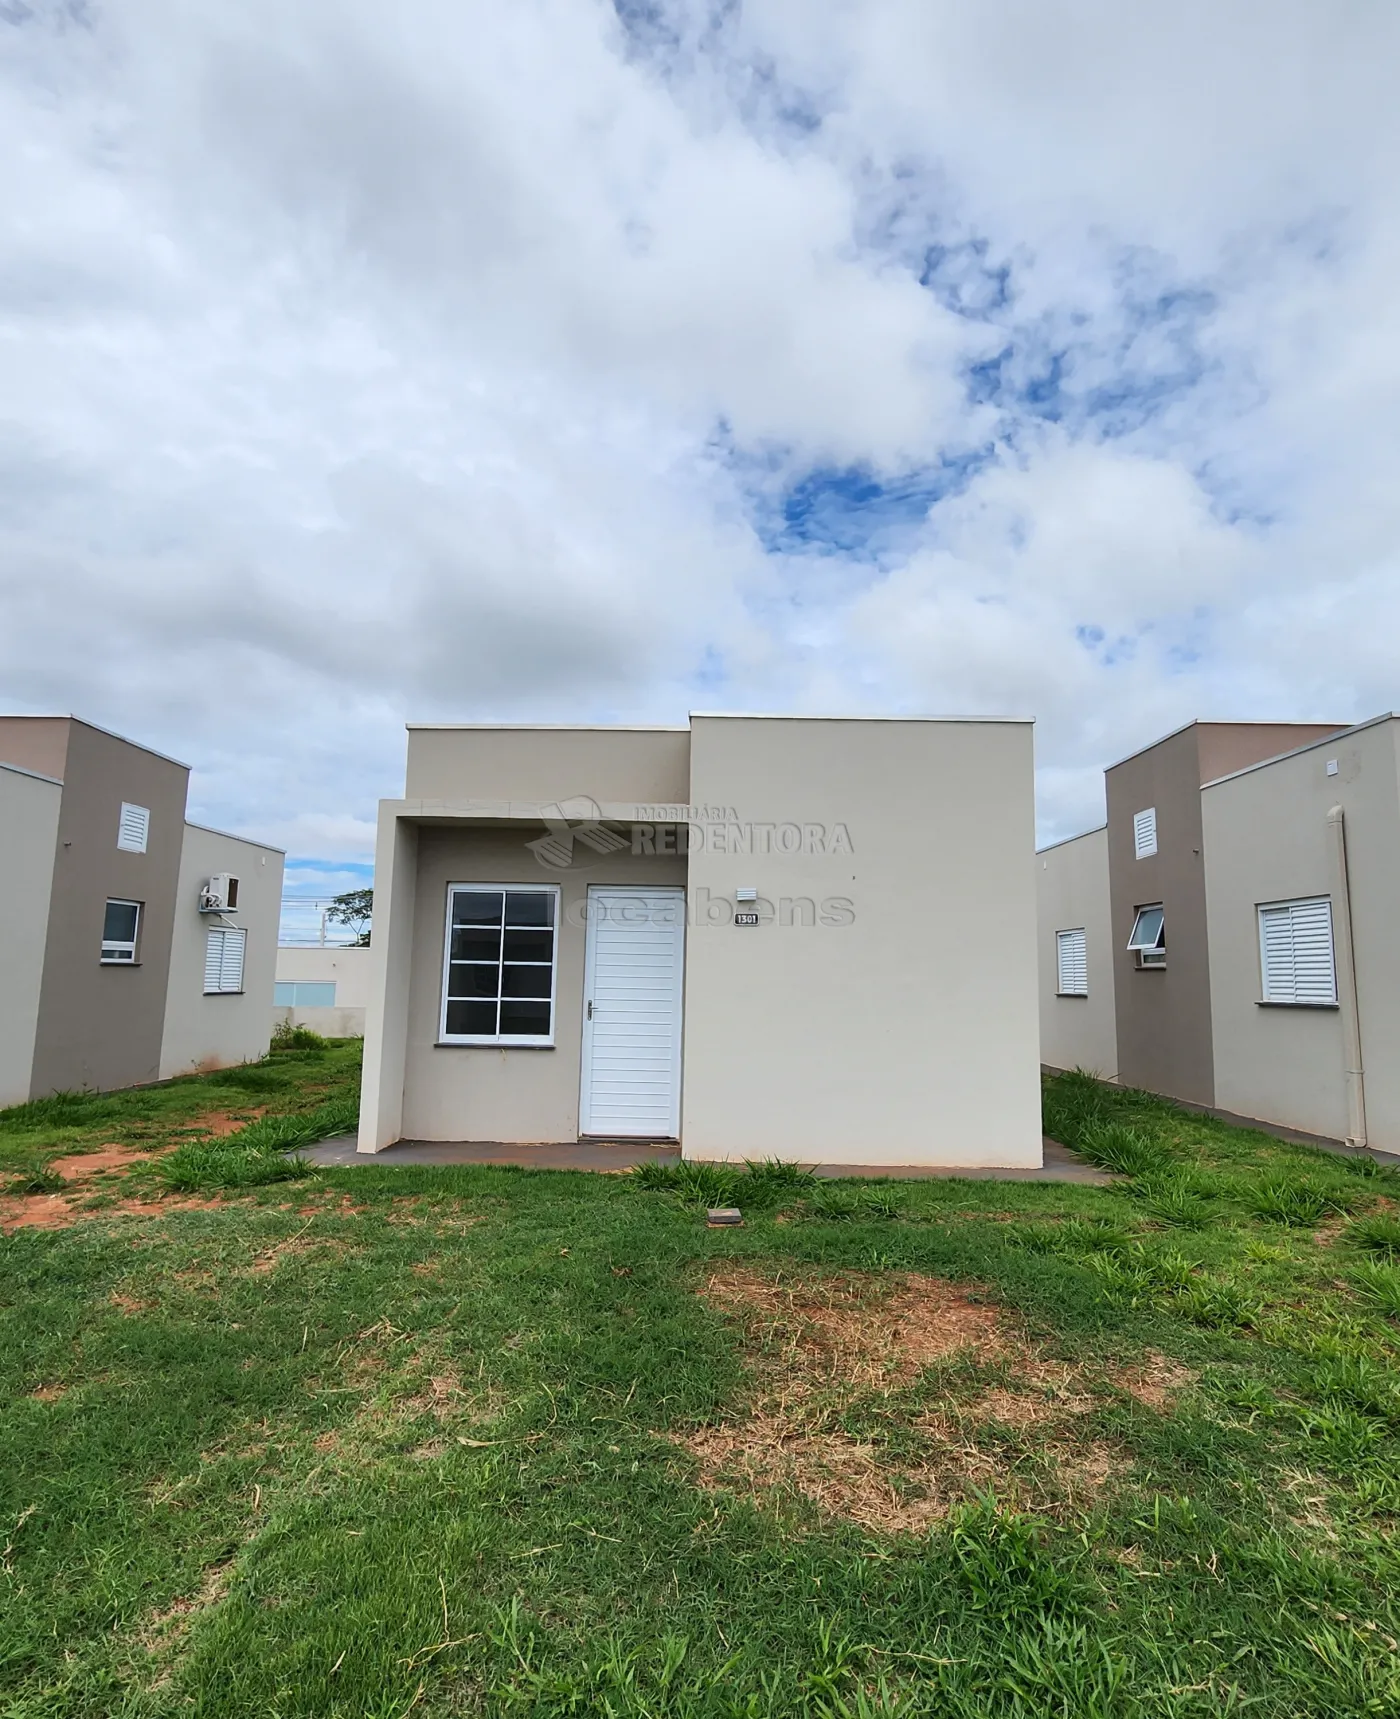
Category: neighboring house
[767,937]
[1303,862]
[324,988]
[110,975]
[1077,1026]
[1250,889]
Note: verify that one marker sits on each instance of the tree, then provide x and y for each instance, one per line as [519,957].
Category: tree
[355,908]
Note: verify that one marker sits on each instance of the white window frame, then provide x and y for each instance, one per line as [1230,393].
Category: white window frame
[133,828]
[1145,833]
[1150,956]
[128,957]
[1061,990]
[505,1041]
[1290,908]
[223,933]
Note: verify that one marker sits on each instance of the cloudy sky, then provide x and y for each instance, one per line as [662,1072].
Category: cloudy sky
[565,359]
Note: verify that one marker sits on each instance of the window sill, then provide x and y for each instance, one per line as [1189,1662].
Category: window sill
[1265,1003]
[103,961]
[493,1044]
[1074,996]
[227,994]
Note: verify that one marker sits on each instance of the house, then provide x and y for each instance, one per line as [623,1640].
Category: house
[323,987]
[117,964]
[765,937]
[1245,905]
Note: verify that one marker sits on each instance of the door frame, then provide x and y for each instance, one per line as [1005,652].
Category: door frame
[590,952]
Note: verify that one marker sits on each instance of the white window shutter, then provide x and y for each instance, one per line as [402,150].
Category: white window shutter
[1074,963]
[213,961]
[231,968]
[133,828]
[1295,952]
[1145,833]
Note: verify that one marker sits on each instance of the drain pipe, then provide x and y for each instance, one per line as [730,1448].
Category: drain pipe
[1346,978]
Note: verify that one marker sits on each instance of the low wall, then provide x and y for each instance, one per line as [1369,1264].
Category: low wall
[347,1023]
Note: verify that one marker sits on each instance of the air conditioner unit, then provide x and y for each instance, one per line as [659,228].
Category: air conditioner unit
[219,895]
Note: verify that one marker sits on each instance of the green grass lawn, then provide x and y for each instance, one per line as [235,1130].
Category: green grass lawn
[384,1441]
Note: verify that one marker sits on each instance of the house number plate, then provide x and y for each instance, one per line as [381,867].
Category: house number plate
[746,919]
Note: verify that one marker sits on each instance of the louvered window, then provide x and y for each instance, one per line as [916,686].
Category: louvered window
[133,829]
[1295,952]
[1145,833]
[223,961]
[1074,963]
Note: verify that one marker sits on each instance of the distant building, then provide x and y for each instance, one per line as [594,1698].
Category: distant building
[118,963]
[323,987]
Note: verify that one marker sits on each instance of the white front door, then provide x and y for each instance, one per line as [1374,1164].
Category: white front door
[634,965]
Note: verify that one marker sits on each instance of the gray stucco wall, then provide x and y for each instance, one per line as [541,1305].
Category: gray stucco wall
[29,809]
[1071,894]
[101,1027]
[1163,1015]
[216,1031]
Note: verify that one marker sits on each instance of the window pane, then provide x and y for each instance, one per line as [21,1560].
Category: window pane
[525,981]
[119,926]
[529,945]
[284,994]
[476,943]
[1148,929]
[471,1018]
[525,1018]
[118,952]
[476,907]
[472,979]
[529,907]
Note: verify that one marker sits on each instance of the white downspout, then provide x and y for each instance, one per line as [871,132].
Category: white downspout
[1346,978]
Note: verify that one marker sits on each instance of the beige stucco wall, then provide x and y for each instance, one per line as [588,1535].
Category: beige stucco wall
[910,1034]
[1266,840]
[1072,893]
[29,808]
[479,1092]
[214,1032]
[548,764]
[348,967]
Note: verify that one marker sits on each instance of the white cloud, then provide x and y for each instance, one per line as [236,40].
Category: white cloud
[362,363]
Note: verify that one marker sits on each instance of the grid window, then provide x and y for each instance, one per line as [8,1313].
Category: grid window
[499,978]
[1073,956]
[1295,952]
[120,927]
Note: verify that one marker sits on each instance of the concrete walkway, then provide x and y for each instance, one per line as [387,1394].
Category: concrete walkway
[617,1157]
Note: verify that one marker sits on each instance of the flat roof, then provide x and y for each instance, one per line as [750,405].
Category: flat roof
[68,716]
[1311,746]
[684,728]
[228,836]
[1219,722]
[38,775]
[1064,841]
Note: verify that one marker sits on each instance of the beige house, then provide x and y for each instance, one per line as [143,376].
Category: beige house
[1077,1025]
[1245,900]
[323,987]
[118,965]
[766,937]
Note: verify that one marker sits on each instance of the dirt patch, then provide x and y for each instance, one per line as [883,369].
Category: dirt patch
[855,1329]
[80,1165]
[823,1351]
[1156,1382]
[53,1211]
[219,1124]
[49,1393]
